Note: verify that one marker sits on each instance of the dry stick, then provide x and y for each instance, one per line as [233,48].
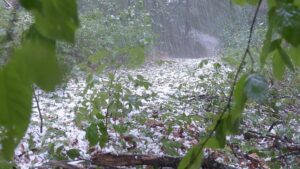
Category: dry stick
[39,110]
[238,154]
[228,106]
[294,153]
[9,5]
[126,160]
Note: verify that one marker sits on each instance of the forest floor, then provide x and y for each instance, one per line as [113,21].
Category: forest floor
[172,114]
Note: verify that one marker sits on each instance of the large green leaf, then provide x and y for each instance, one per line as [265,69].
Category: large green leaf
[287,16]
[42,64]
[232,119]
[270,45]
[271,3]
[295,55]
[221,133]
[92,135]
[286,59]
[267,45]
[213,142]
[297,3]
[278,66]
[256,87]
[104,135]
[57,19]
[15,105]
[6,165]
[239,2]
[30,4]
[193,159]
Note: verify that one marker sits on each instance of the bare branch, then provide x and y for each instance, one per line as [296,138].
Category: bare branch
[39,110]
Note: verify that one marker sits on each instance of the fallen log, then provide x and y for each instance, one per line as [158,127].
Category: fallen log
[108,159]
[117,160]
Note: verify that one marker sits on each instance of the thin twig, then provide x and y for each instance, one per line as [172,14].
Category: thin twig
[228,105]
[234,148]
[294,153]
[9,5]
[39,110]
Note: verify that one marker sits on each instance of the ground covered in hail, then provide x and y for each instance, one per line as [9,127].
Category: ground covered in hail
[163,108]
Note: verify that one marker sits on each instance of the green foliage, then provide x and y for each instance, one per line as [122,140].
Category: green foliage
[171,146]
[283,20]
[284,23]
[73,153]
[15,104]
[56,153]
[6,165]
[32,63]
[121,32]
[193,159]
[56,19]
[97,133]
[295,55]
[243,2]
[278,66]
[256,87]
[113,100]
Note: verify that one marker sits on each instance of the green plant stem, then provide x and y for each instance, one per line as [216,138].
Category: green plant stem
[39,110]
[238,72]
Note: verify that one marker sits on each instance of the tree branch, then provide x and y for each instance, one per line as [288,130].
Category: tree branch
[8,5]
[39,111]
[238,72]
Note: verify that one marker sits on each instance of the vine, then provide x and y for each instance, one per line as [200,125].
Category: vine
[251,86]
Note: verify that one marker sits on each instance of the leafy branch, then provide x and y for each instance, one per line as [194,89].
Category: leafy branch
[190,161]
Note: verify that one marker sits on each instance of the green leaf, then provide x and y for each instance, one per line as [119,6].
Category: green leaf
[271,3]
[104,135]
[219,139]
[57,19]
[32,4]
[266,47]
[239,2]
[297,3]
[287,16]
[286,59]
[278,66]
[232,119]
[256,87]
[221,133]
[15,105]
[295,55]
[39,54]
[73,153]
[213,142]
[92,134]
[193,159]
[275,45]
[253,2]
[6,165]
